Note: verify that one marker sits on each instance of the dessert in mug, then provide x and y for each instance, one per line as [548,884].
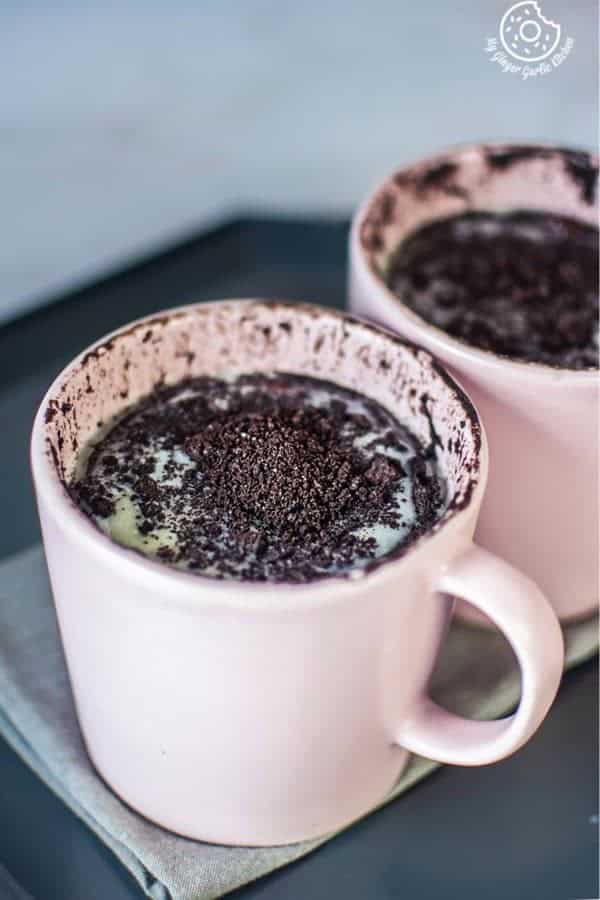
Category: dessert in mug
[262,477]
[487,256]
[298,692]
[523,284]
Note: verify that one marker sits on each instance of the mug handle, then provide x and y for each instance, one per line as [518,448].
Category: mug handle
[520,610]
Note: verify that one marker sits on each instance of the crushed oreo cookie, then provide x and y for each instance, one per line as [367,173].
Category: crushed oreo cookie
[523,284]
[270,477]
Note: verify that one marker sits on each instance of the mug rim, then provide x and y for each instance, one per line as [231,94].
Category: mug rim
[261,594]
[442,341]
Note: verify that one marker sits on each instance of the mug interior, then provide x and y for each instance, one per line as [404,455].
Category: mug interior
[492,178]
[234,337]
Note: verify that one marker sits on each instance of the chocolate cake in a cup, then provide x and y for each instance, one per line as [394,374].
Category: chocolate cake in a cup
[487,256]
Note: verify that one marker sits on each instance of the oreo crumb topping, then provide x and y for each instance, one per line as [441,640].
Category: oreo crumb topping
[523,284]
[270,477]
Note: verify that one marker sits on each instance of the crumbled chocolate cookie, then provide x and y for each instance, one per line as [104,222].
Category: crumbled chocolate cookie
[383,470]
[267,477]
[283,469]
[523,285]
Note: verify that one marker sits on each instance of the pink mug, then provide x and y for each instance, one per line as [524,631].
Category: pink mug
[540,511]
[263,713]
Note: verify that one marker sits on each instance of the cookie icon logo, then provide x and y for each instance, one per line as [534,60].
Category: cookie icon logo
[527,34]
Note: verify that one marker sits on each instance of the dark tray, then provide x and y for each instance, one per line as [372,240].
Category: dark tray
[524,828]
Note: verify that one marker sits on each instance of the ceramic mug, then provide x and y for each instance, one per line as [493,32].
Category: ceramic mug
[264,713]
[540,511]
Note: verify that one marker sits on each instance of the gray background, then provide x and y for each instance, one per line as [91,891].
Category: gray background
[124,125]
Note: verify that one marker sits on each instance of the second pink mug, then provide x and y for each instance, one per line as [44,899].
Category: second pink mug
[540,510]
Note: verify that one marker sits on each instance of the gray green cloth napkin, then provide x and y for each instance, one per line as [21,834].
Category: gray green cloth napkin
[476,676]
